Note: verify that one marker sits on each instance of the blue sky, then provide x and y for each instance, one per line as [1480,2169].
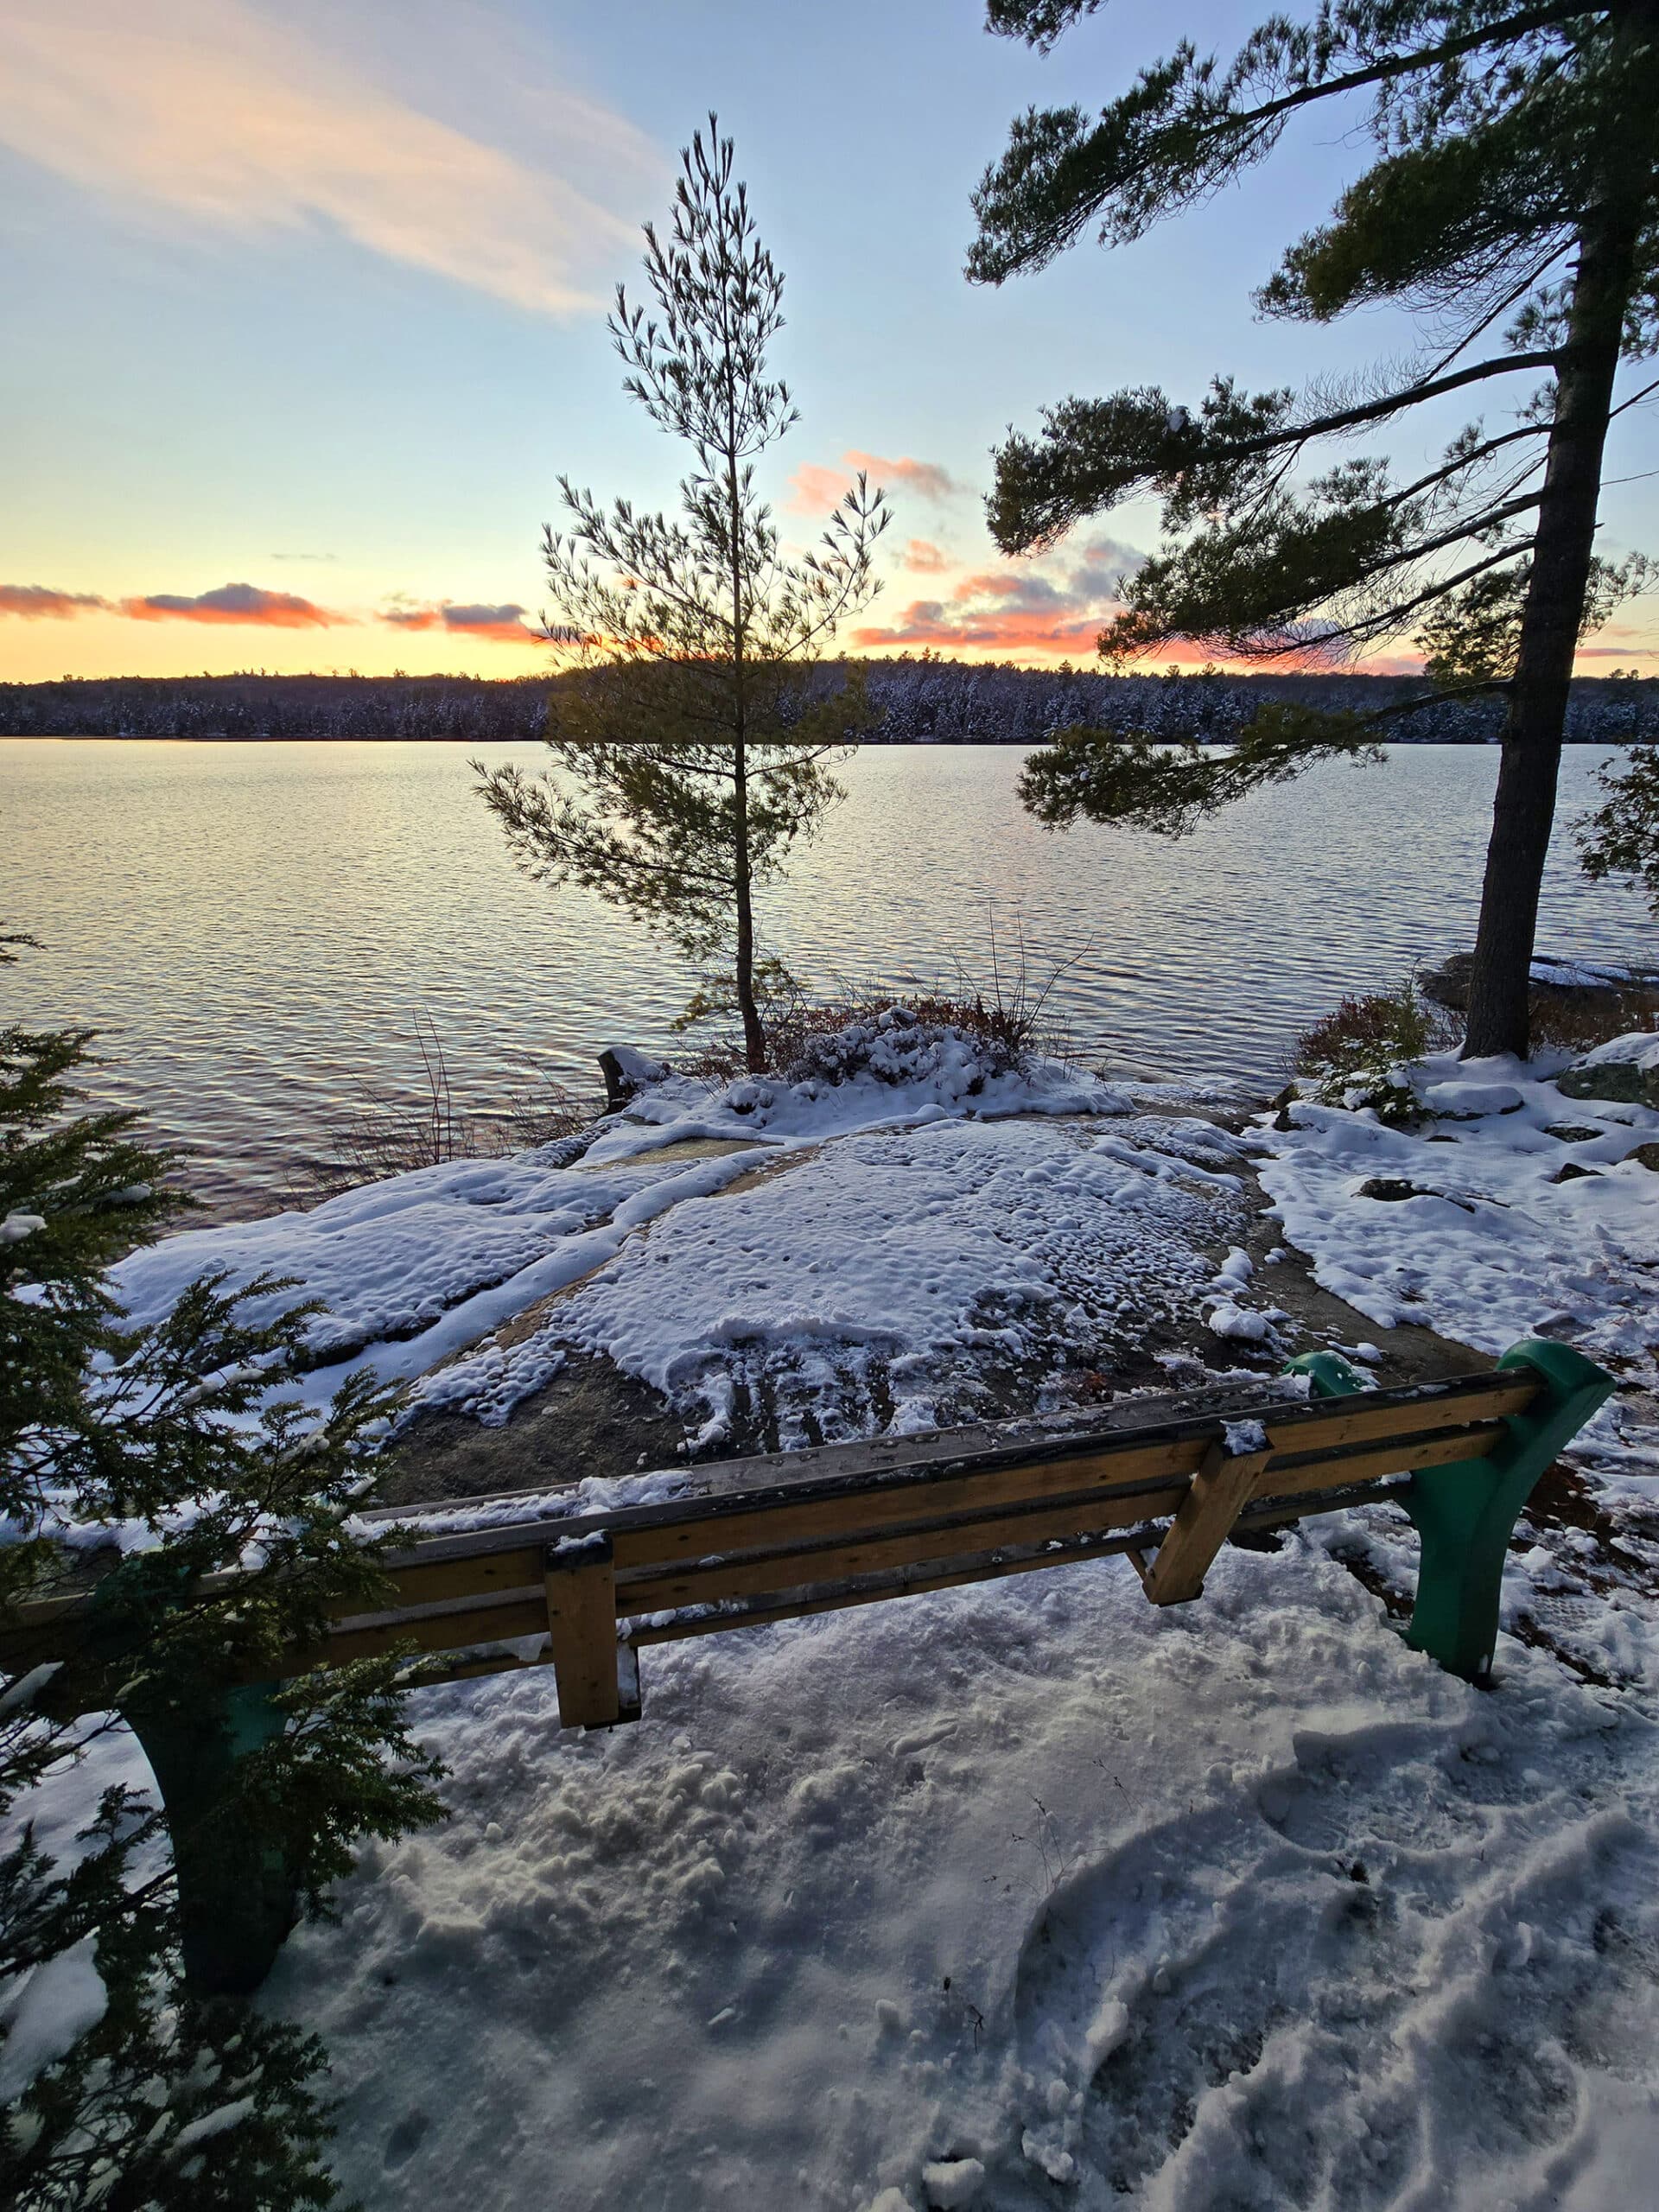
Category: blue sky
[307,300]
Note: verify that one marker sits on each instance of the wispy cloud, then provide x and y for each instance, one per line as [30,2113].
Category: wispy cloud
[1053,610]
[214,114]
[1622,641]
[34,601]
[250,605]
[504,624]
[924,477]
[815,489]
[923,558]
[240,603]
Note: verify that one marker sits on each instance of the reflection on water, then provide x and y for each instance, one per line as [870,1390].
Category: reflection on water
[253,927]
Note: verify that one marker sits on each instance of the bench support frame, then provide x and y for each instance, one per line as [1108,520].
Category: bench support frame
[1465,1512]
[588,1662]
[237,1899]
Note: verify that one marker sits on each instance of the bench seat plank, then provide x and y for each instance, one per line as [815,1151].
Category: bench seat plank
[790,1566]
[677,1529]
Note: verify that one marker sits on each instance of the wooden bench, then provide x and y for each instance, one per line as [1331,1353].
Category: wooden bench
[769,1540]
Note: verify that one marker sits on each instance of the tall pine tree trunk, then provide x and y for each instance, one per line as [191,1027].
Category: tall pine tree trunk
[1524,808]
[754,1037]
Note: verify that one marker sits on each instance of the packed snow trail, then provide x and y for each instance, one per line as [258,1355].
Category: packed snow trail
[1241,1904]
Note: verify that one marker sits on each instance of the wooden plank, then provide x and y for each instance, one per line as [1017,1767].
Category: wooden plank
[856,1516]
[1282,1512]
[757,1573]
[689,1530]
[1219,1492]
[986,1568]
[800,1604]
[509,1567]
[446,1630]
[582,1630]
[1136,1475]
[1328,1424]
[1398,1456]
[748,1523]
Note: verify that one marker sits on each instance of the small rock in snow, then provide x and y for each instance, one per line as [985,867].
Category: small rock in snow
[1237,1324]
[951,2182]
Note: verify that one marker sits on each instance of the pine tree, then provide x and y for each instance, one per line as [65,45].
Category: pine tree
[1621,838]
[690,749]
[1516,190]
[177,1439]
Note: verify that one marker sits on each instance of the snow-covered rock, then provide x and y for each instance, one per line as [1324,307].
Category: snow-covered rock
[1626,1069]
[899,1250]
[878,1282]
[627,1072]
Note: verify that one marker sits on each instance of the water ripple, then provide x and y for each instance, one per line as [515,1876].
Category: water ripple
[253,927]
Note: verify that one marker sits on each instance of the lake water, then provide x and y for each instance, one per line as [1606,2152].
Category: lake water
[254,928]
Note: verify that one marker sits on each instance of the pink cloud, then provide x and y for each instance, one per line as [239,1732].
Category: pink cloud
[246,604]
[923,558]
[924,477]
[816,490]
[1050,610]
[502,624]
[34,602]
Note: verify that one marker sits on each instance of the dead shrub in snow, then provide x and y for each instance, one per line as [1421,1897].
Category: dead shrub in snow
[1004,1004]
[391,1134]
[900,1044]
[1357,1055]
[1580,1020]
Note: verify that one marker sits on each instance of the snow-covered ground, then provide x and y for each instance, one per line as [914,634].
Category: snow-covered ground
[1024,1895]
[901,1237]
[1508,1210]
[1060,1899]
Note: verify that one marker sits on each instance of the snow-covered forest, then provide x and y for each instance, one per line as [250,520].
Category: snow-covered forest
[914,700]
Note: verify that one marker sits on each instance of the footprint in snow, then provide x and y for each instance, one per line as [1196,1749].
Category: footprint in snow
[1237,2007]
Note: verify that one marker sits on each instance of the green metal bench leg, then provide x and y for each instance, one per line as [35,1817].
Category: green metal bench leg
[1466,1512]
[236,1900]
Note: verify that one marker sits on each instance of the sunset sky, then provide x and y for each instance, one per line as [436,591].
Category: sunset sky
[306,313]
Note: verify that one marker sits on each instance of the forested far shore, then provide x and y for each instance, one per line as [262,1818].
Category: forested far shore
[912,701]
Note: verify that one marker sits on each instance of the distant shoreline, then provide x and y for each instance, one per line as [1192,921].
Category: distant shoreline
[907,702]
[311,737]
